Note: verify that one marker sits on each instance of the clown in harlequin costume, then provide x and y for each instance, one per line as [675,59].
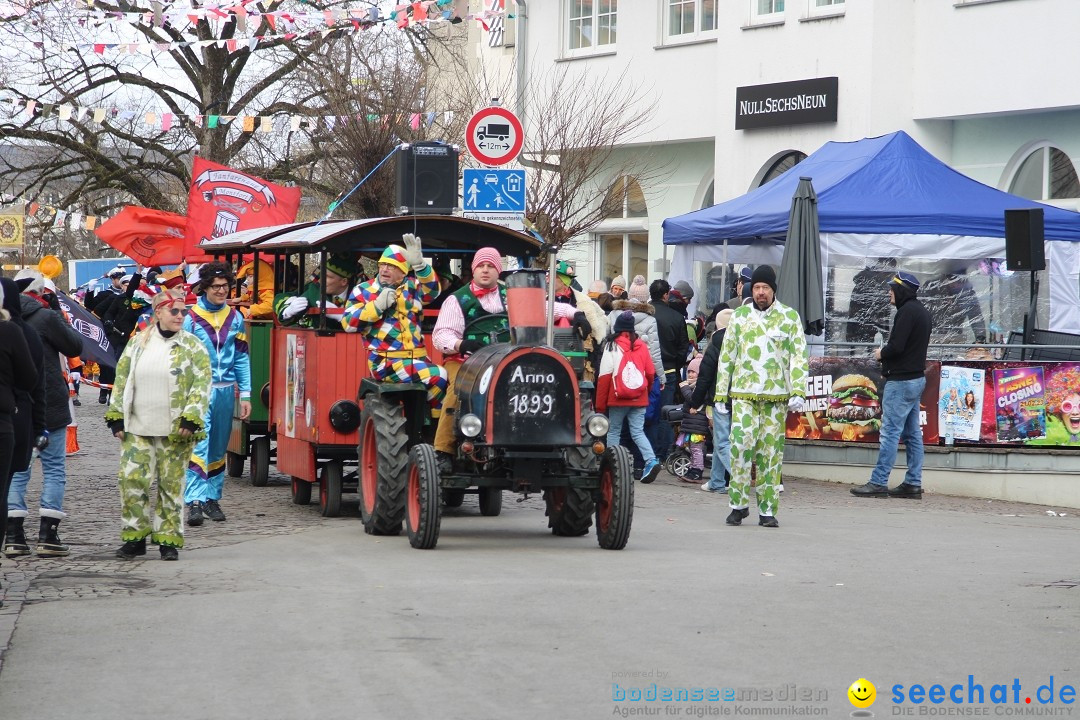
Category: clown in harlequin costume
[221,330]
[763,370]
[157,412]
[387,311]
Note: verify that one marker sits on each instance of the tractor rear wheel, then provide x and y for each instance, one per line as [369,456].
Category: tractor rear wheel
[234,464]
[453,497]
[330,489]
[569,511]
[301,491]
[423,504]
[260,460]
[490,501]
[383,454]
[615,503]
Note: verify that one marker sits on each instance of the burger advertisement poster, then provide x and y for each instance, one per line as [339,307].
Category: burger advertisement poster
[960,402]
[843,402]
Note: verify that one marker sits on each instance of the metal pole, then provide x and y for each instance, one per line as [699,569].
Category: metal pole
[521,56]
[551,298]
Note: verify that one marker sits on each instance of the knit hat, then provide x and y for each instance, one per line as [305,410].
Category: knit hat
[141,297]
[395,255]
[906,278]
[638,290]
[598,288]
[566,272]
[168,297]
[37,280]
[746,273]
[624,323]
[723,318]
[764,274]
[684,289]
[618,281]
[487,255]
[694,365]
[341,264]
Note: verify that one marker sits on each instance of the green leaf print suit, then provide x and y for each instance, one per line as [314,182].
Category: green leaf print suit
[762,364]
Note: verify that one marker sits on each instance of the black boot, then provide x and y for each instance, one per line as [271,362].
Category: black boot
[15,545]
[103,396]
[737,515]
[132,548]
[168,552]
[48,544]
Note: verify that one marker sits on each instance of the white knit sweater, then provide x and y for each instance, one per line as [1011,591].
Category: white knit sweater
[151,383]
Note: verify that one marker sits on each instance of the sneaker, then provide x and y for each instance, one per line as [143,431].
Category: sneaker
[131,549]
[168,552]
[737,515]
[709,488]
[870,490]
[780,488]
[650,472]
[767,521]
[213,511]
[195,514]
[103,397]
[76,402]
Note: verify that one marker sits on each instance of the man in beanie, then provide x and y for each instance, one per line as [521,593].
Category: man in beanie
[220,327]
[702,396]
[387,310]
[468,320]
[618,287]
[341,271]
[903,364]
[763,371]
[742,289]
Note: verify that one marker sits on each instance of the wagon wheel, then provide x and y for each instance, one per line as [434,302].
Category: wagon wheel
[678,463]
[383,455]
[301,491]
[423,505]
[260,460]
[330,489]
[490,501]
[615,505]
[453,497]
[569,511]
[234,464]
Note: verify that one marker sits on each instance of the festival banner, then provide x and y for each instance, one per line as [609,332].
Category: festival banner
[843,402]
[960,403]
[149,237]
[96,346]
[11,232]
[1020,403]
[223,201]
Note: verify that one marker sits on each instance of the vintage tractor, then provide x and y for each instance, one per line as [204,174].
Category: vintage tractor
[524,424]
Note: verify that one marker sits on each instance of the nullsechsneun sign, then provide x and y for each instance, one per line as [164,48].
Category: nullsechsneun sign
[787,103]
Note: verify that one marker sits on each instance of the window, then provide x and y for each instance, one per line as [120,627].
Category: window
[778,166]
[1046,174]
[824,8]
[590,24]
[622,240]
[686,19]
[767,7]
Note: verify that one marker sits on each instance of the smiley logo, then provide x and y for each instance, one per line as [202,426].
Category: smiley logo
[862,693]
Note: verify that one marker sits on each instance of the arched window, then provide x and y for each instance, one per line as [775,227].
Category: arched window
[707,200]
[780,165]
[1046,174]
[625,199]
[622,238]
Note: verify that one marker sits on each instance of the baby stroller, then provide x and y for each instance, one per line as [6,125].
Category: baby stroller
[678,459]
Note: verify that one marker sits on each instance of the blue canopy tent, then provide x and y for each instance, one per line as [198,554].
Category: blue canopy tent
[886,197]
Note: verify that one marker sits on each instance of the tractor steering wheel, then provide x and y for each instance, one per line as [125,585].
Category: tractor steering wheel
[494,336]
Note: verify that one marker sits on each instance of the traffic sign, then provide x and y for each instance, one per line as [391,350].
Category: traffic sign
[512,221]
[494,136]
[494,190]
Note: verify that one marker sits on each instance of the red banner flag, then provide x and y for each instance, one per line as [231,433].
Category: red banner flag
[224,201]
[149,237]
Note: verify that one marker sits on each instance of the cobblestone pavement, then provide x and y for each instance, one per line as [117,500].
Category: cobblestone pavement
[92,527]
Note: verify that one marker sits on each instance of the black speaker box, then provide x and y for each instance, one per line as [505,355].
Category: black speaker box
[1024,239]
[427,179]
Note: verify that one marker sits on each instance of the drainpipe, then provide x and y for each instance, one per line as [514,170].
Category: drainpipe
[521,55]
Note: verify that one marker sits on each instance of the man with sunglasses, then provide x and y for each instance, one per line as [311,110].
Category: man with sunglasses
[220,327]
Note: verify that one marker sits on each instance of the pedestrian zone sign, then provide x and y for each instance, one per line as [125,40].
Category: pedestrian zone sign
[494,191]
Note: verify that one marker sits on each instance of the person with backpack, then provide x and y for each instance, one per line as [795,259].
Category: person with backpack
[622,390]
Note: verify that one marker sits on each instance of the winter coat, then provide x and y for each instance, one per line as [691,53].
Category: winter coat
[644,326]
[58,338]
[605,386]
[706,382]
[674,341]
[763,356]
[16,366]
[692,423]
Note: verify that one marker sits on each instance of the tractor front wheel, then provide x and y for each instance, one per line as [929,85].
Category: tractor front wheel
[260,461]
[569,511]
[615,503]
[423,504]
[383,454]
[234,464]
[330,489]
[490,501]
[301,491]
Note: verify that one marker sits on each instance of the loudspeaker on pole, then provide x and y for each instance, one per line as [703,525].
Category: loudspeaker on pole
[1024,239]
[427,178]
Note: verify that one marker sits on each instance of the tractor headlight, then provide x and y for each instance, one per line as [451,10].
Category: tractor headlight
[597,425]
[470,425]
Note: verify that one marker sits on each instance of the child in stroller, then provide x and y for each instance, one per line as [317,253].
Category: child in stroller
[693,434]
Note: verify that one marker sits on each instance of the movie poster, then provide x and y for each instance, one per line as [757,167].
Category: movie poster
[1019,403]
[843,402]
[960,403]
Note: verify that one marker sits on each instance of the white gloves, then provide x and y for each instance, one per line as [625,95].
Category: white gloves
[720,409]
[795,404]
[414,254]
[386,299]
[75,377]
[293,307]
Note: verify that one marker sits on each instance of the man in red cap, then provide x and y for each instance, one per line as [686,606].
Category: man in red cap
[470,318]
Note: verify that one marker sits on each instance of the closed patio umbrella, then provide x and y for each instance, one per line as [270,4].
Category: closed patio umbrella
[799,285]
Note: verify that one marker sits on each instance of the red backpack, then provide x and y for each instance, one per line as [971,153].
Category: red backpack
[627,378]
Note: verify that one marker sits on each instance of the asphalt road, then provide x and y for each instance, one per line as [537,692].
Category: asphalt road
[278,613]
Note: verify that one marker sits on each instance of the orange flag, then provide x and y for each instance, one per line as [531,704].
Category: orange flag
[149,237]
